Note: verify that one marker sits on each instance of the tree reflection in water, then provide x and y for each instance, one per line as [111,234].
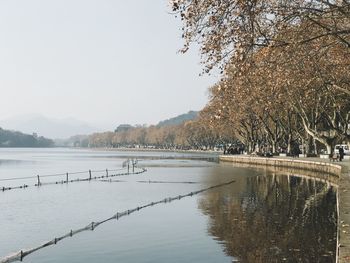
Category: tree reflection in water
[274,218]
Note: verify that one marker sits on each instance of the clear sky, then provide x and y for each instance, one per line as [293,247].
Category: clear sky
[100,61]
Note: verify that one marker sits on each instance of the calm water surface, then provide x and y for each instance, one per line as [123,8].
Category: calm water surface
[265,216]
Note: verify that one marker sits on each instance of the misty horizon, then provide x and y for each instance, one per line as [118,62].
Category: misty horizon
[61,128]
[89,62]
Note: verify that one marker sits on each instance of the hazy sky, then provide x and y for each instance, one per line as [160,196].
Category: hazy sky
[101,61]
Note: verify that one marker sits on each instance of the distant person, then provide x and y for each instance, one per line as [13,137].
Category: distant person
[237,150]
[335,157]
[341,154]
[295,150]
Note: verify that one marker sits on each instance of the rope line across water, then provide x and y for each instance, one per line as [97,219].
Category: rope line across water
[58,174]
[167,182]
[39,183]
[18,256]
[150,182]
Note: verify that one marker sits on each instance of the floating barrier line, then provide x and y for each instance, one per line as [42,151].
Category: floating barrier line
[149,182]
[166,182]
[81,172]
[113,181]
[17,178]
[67,180]
[58,174]
[20,255]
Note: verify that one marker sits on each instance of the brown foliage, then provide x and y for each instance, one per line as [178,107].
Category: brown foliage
[190,135]
[235,29]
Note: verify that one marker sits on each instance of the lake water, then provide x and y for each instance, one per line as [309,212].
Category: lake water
[264,216]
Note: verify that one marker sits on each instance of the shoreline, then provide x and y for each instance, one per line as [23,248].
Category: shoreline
[296,163]
[209,152]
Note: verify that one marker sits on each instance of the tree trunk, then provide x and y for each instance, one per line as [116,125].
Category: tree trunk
[315,145]
[289,146]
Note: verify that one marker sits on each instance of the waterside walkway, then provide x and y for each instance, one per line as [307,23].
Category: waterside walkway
[339,170]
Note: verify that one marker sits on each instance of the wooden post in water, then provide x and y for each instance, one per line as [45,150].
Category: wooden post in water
[89,175]
[128,166]
[67,178]
[106,172]
[38,180]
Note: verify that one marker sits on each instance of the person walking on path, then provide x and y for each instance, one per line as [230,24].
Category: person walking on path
[341,154]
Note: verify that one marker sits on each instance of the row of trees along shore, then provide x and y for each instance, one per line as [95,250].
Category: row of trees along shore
[194,134]
[18,139]
[285,69]
[285,77]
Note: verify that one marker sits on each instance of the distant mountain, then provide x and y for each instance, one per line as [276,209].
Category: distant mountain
[191,115]
[19,139]
[51,128]
[123,127]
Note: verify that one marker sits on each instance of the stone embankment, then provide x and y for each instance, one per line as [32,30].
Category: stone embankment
[303,164]
[325,170]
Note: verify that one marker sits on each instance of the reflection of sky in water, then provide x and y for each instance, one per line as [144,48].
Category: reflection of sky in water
[173,163]
[25,162]
[13,162]
[157,234]
[268,216]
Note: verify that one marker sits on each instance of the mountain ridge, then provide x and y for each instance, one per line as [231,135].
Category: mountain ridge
[48,127]
[179,119]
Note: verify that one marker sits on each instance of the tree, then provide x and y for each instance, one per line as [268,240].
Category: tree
[235,29]
[286,94]
[18,139]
